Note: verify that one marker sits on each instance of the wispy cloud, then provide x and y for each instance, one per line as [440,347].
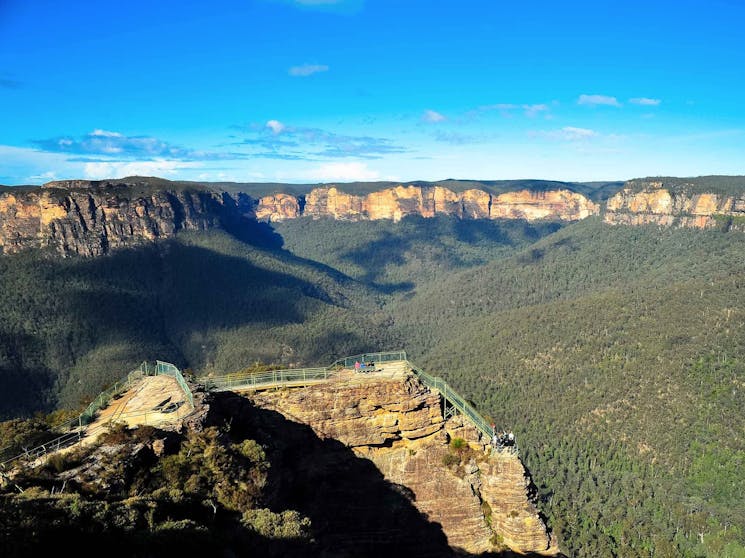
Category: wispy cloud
[455,138]
[645,101]
[110,145]
[276,140]
[433,117]
[101,170]
[307,70]
[6,83]
[595,100]
[343,171]
[275,126]
[567,133]
[530,110]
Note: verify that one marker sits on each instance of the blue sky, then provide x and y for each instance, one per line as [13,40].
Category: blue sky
[324,90]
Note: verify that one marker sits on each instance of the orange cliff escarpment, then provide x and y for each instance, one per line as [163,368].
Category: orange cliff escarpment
[425,201]
[90,218]
[90,223]
[651,202]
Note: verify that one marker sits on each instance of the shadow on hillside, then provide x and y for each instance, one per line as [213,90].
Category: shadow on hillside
[149,302]
[354,510]
[424,238]
[179,288]
[31,383]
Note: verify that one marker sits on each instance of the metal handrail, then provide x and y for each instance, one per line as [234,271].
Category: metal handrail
[348,362]
[465,408]
[247,379]
[75,427]
[283,376]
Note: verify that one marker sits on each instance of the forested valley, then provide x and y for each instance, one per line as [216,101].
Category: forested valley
[616,354]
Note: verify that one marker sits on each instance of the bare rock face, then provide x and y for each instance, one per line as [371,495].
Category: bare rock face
[277,207]
[396,203]
[90,222]
[331,202]
[561,205]
[480,501]
[650,202]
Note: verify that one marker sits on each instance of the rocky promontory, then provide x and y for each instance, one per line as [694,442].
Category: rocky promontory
[482,499]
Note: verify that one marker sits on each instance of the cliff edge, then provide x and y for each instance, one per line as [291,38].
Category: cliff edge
[482,499]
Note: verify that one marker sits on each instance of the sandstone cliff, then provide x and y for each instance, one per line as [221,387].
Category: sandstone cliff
[92,217]
[479,498]
[654,202]
[427,201]
[91,221]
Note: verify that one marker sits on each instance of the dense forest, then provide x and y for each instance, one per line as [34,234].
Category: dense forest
[616,354]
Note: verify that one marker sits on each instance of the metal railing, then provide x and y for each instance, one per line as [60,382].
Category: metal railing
[377,358]
[266,379]
[168,369]
[72,431]
[452,397]
[293,376]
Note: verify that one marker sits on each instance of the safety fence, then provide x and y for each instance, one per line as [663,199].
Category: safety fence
[72,431]
[367,358]
[249,380]
[451,397]
[168,369]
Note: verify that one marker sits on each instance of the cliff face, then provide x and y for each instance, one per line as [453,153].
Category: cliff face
[651,202]
[90,223]
[396,203]
[90,218]
[477,497]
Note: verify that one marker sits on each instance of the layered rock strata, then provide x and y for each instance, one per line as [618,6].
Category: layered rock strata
[651,202]
[91,218]
[396,203]
[90,223]
[479,498]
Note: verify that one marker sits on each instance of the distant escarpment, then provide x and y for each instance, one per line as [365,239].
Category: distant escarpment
[427,201]
[90,218]
[677,203]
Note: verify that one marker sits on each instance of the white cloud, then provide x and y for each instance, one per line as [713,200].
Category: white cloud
[275,126]
[534,110]
[354,171]
[433,116]
[118,169]
[645,101]
[106,134]
[567,133]
[594,100]
[47,176]
[307,70]
[572,133]
[530,110]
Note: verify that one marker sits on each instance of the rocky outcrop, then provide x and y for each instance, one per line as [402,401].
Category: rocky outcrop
[277,207]
[90,218]
[425,201]
[652,202]
[90,222]
[481,499]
